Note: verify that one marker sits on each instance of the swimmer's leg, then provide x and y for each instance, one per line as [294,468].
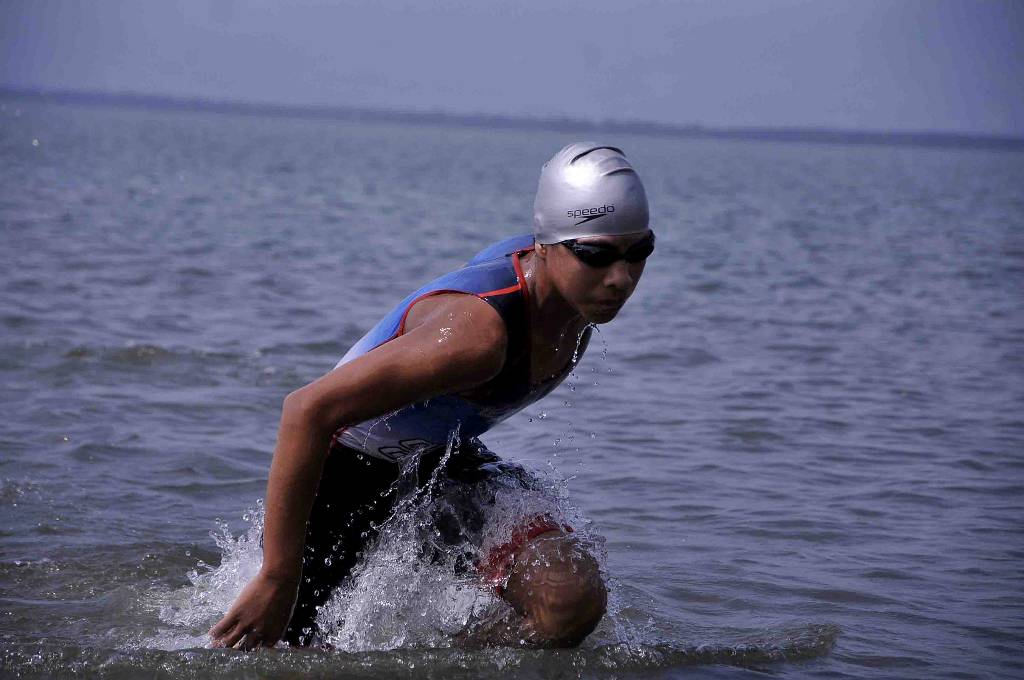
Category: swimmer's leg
[552,584]
[352,498]
[555,593]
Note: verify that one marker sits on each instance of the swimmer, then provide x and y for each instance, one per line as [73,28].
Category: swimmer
[454,358]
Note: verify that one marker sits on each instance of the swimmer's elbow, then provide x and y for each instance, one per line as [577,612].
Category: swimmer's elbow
[302,409]
[295,407]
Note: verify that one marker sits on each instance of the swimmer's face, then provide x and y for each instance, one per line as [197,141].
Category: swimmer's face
[596,293]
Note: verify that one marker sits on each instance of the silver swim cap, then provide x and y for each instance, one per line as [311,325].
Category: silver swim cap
[588,189]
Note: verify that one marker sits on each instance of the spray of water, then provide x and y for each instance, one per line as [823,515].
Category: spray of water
[414,586]
[417,587]
[189,612]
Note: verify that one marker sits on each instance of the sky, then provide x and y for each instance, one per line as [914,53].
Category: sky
[911,65]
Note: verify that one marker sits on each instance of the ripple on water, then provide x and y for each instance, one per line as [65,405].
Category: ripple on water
[400,604]
[65,658]
[832,291]
[12,491]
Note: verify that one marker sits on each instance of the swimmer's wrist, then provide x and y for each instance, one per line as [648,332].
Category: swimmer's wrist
[284,577]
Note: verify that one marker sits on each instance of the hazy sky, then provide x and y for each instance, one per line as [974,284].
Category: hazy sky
[891,64]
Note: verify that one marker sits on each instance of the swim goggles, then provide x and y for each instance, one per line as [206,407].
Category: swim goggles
[603,255]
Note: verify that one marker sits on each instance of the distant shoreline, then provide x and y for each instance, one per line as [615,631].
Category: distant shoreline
[818,135]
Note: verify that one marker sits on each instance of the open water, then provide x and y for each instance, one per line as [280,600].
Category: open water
[800,447]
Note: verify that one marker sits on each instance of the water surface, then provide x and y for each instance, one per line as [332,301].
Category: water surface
[801,440]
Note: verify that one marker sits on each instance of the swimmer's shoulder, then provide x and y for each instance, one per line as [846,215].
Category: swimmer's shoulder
[468,325]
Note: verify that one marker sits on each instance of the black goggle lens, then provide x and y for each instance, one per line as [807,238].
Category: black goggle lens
[604,256]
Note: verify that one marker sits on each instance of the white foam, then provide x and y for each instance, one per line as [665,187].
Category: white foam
[191,611]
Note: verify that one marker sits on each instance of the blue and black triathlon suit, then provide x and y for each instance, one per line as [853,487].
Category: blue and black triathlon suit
[357,490]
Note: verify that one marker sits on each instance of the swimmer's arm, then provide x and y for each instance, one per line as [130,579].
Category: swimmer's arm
[458,345]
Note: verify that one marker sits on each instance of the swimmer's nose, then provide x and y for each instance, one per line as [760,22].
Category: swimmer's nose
[619,278]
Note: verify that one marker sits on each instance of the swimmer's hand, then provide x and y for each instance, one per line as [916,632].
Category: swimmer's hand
[259,615]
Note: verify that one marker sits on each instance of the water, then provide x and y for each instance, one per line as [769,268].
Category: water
[801,441]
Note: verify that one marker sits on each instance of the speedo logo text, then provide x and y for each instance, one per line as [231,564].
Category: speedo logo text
[590,213]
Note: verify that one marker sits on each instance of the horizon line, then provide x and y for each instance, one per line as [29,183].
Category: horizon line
[794,133]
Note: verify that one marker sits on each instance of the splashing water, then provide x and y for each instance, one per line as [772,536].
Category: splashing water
[413,586]
[192,610]
[410,591]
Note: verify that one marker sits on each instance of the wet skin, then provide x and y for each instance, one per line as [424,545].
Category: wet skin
[452,343]
[594,295]
[555,593]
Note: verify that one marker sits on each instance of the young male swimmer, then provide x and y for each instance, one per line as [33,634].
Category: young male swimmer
[455,357]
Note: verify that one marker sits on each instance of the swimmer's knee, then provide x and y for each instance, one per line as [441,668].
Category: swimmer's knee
[557,586]
[568,618]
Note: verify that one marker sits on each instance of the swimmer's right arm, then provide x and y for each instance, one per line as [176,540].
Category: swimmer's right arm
[459,345]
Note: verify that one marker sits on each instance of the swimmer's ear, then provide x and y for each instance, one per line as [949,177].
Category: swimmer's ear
[541,250]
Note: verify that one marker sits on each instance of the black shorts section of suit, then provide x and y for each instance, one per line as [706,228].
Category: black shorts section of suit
[358,494]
